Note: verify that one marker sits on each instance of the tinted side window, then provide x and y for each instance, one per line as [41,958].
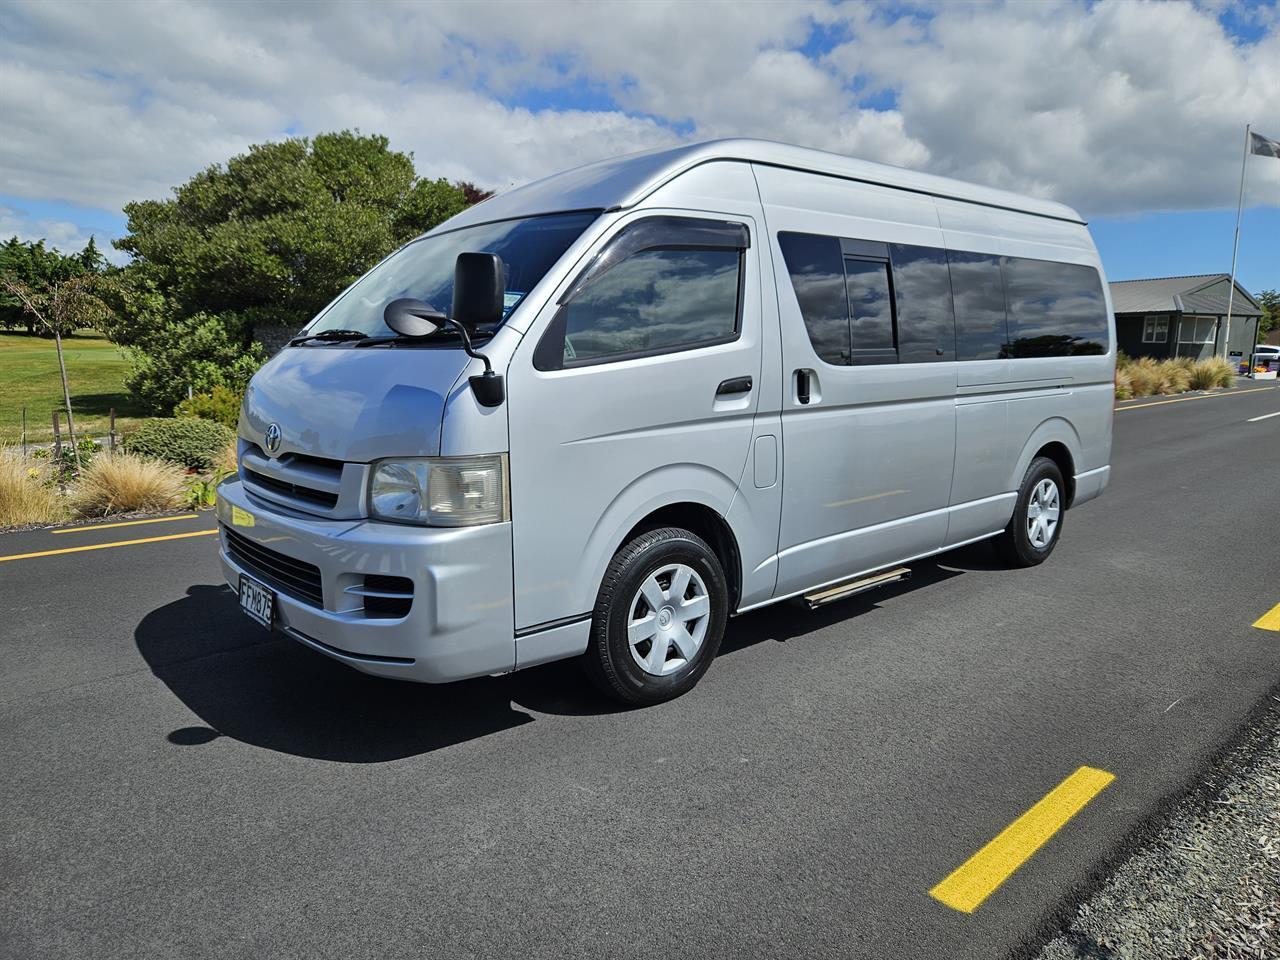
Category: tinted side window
[658,299]
[922,302]
[1055,309]
[976,285]
[870,312]
[816,267]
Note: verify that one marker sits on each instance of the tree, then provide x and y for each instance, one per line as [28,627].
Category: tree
[268,238]
[35,266]
[60,307]
[1270,302]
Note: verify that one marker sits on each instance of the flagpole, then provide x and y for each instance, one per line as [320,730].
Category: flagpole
[1235,250]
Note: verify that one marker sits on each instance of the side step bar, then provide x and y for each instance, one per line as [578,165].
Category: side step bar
[852,587]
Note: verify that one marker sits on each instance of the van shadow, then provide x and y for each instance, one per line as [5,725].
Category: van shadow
[272,692]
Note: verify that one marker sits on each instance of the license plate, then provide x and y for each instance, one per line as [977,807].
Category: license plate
[257,601]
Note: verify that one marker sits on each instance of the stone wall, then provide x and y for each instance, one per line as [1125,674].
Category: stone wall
[273,339]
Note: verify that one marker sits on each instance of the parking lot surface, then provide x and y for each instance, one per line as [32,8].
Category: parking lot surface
[178,782]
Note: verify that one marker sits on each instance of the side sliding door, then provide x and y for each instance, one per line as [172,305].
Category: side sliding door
[868,341]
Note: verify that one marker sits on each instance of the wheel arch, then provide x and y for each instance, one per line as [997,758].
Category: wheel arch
[710,526]
[1058,440]
[692,496]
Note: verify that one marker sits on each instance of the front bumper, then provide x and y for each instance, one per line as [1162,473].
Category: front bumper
[459,625]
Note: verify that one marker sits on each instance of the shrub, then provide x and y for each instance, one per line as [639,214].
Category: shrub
[1211,373]
[1123,360]
[25,493]
[127,482]
[188,442]
[221,405]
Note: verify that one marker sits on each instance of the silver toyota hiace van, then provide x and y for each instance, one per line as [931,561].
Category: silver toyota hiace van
[598,415]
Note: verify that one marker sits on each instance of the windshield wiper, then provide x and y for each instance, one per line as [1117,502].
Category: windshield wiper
[400,338]
[334,335]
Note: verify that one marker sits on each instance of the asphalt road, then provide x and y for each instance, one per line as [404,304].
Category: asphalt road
[174,782]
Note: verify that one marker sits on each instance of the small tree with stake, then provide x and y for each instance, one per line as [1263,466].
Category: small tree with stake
[61,307]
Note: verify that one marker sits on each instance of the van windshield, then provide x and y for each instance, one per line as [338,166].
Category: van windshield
[423,269]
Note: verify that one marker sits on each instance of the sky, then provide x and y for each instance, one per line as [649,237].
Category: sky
[1132,112]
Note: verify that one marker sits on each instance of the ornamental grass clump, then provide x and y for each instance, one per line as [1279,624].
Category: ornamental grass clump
[1175,377]
[126,483]
[26,494]
[1145,377]
[1124,384]
[1212,373]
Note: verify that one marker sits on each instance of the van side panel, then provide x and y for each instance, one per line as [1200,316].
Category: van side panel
[867,461]
[1008,409]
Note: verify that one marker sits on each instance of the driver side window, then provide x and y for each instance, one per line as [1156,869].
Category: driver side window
[662,284]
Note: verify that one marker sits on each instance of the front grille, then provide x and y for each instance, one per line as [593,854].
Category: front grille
[387,607]
[320,498]
[293,577]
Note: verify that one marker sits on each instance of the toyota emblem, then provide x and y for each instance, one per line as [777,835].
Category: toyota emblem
[272,438]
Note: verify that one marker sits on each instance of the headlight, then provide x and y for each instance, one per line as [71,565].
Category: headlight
[440,491]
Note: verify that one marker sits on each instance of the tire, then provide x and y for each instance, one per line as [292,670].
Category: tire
[675,639]
[1036,526]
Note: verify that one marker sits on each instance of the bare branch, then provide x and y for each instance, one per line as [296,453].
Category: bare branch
[27,296]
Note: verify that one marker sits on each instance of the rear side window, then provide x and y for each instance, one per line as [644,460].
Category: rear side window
[816,266]
[1055,309]
[904,303]
[866,302]
[662,284]
[922,300]
[870,312]
[978,291]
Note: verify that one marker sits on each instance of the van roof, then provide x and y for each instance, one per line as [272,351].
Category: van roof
[622,182]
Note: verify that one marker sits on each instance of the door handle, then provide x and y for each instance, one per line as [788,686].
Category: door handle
[802,386]
[728,388]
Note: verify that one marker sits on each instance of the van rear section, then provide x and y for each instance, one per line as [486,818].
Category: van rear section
[599,415]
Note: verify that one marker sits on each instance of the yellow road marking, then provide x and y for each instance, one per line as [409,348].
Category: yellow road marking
[1207,396]
[126,523]
[979,876]
[104,546]
[1269,620]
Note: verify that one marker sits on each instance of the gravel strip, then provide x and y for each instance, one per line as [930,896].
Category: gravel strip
[1208,884]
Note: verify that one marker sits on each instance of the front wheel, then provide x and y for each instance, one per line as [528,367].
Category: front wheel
[1036,526]
[659,617]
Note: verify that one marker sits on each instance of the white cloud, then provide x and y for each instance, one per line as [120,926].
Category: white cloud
[1115,107]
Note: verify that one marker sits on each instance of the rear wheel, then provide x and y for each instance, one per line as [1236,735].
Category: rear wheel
[1036,526]
[659,617]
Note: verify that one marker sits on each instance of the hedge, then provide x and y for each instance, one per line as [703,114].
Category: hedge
[221,405]
[188,442]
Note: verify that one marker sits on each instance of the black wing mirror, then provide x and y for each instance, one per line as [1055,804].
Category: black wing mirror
[479,289]
[413,318]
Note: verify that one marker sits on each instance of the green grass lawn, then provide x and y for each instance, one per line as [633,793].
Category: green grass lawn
[29,378]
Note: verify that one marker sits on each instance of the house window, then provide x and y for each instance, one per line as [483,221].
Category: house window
[1196,330]
[1155,330]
